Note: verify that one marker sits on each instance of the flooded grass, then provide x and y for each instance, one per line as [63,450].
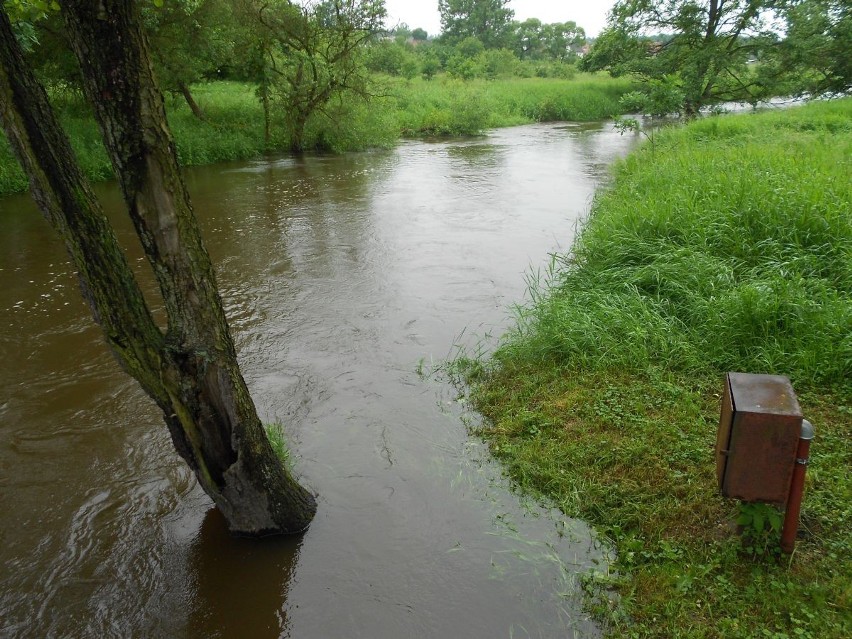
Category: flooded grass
[728,248]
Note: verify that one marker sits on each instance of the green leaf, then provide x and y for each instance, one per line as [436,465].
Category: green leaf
[775,520]
[758,517]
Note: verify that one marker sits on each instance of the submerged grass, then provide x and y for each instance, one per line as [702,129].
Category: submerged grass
[727,247]
[233,125]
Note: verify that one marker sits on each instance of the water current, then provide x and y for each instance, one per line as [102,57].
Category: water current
[342,276]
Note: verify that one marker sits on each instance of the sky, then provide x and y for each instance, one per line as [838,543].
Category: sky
[589,14]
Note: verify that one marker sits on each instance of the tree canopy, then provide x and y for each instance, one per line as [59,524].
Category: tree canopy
[705,55]
[487,20]
[696,53]
[816,56]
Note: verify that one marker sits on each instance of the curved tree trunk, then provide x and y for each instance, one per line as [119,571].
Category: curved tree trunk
[191,371]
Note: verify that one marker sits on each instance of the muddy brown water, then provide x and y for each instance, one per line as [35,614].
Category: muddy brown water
[341,275]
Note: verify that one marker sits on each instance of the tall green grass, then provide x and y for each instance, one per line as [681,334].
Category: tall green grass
[725,245]
[445,106]
[728,246]
[233,127]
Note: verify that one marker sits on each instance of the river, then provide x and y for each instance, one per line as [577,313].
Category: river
[342,277]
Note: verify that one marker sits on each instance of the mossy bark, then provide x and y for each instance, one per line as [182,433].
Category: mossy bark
[191,369]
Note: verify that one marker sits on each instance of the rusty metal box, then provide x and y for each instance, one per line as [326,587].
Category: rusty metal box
[757,438]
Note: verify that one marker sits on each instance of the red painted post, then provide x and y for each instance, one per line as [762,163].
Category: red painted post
[797,488]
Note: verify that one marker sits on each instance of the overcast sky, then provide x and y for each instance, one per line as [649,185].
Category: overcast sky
[589,14]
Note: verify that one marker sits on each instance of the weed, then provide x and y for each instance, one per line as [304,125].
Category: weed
[278,441]
[761,526]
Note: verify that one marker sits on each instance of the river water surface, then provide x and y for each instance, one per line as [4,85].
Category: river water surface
[341,275]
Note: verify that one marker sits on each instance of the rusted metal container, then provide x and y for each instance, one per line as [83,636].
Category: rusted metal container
[757,438]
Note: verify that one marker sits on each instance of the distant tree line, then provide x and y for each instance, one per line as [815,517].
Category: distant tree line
[306,57]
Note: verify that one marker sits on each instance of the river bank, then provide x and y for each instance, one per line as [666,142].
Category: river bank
[233,128]
[723,245]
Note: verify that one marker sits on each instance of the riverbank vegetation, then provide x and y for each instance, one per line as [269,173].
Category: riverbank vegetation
[233,124]
[725,246]
[331,75]
[689,55]
[324,75]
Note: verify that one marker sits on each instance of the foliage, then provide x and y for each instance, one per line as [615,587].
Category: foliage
[387,57]
[658,97]
[761,526]
[451,107]
[814,57]
[305,57]
[233,128]
[487,20]
[190,40]
[532,40]
[729,249]
[29,10]
[278,439]
[709,49]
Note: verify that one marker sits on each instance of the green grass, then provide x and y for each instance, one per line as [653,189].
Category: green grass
[444,106]
[726,247]
[233,129]
[277,438]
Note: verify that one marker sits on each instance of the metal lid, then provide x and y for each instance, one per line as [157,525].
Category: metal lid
[765,394]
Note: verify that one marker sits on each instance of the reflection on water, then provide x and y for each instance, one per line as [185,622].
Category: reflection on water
[339,275]
[240,585]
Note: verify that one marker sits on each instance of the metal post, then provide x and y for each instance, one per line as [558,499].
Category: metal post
[797,488]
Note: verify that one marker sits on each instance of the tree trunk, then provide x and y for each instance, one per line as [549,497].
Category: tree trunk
[297,133]
[191,371]
[267,117]
[190,101]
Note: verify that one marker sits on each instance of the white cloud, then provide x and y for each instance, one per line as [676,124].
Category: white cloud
[589,14]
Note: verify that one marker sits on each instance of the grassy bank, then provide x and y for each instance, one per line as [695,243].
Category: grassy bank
[728,246]
[233,129]
[452,107]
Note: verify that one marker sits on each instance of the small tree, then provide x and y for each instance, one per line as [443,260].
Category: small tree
[314,53]
[189,39]
[562,40]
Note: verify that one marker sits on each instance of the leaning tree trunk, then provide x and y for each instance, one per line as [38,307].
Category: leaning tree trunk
[191,371]
[190,101]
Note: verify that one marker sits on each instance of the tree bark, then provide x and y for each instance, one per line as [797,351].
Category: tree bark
[191,370]
[190,101]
